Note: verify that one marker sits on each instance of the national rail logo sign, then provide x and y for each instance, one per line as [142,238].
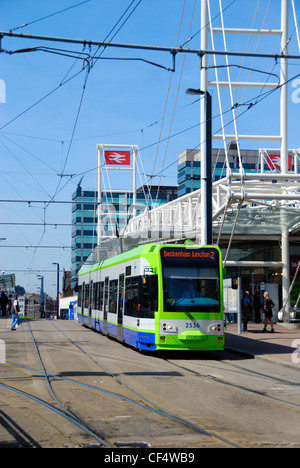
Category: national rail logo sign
[273,161]
[117,158]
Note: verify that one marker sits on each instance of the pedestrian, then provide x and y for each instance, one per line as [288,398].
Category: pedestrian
[9,304]
[15,314]
[42,311]
[257,307]
[3,302]
[246,310]
[268,306]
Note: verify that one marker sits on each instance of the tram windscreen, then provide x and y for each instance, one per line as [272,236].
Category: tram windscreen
[191,279]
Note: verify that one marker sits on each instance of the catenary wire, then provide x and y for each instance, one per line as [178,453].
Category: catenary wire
[49,16]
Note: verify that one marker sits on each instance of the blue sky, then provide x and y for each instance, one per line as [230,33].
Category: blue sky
[123,102]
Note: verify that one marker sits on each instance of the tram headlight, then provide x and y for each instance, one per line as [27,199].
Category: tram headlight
[168,327]
[216,327]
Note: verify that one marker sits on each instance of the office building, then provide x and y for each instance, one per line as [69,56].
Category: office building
[189,166]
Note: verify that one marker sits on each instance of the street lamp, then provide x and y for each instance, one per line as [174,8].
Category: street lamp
[206,179]
[42,299]
[57,286]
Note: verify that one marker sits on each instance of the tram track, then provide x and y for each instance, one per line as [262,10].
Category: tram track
[148,405]
[233,368]
[63,413]
[94,370]
[135,398]
[209,376]
[263,376]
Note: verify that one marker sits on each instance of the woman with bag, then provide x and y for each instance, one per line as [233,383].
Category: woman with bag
[268,306]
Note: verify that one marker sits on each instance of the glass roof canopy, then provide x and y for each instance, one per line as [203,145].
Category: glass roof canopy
[270,204]
[261,221]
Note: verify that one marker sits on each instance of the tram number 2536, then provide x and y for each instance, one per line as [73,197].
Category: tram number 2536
[192,325]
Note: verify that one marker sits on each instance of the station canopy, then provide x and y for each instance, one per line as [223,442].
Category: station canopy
[261,221]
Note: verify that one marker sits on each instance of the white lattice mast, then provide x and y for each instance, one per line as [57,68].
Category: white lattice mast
[285,244]
[283,137]
[284,89]
[115,160]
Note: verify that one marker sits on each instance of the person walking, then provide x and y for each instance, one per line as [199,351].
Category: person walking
[246,310]
[15,314]
[268,306]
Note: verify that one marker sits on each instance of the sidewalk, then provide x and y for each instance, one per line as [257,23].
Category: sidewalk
[280,347]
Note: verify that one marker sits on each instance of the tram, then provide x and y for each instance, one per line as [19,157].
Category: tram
[156,297]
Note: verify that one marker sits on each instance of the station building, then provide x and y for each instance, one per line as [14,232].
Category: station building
[257,241]
[255,253]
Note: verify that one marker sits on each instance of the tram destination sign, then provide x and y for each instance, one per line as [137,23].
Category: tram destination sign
[208,254]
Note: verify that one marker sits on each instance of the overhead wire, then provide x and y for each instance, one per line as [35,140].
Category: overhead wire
[125,132]
[40,100]
[50,15]
[218,92]
[64,81]
[30,153]
[231,96]
[175,102]
[246,110]
[296,25]
[246,104]
[215,17]
[24,167]
[249,104]
[88,69]
[167,97]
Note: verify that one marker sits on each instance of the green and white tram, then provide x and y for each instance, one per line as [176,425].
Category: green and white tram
[157,297]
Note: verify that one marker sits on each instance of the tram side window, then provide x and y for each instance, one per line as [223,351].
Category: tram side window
[149,295]
[131,296]
[113,295]
[141,296]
